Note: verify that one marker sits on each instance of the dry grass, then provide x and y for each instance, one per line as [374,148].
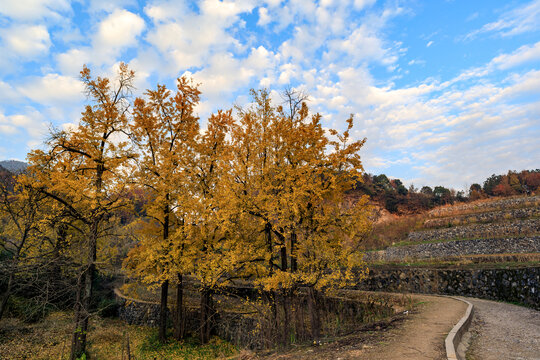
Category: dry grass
[107,339]
[388,233]
[469,261]
[390,230]
[473,207]
[499,216]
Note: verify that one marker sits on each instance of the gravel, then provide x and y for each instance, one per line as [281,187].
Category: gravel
[502,331]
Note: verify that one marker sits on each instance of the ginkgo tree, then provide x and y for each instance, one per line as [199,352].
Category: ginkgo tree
[293,179]
[164,130]
[83,169]
[210,224]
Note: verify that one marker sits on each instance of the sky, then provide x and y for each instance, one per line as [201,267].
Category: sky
[446,92]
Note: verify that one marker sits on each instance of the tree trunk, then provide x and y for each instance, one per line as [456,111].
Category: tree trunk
[300,324]
[179,321]
[165,284]
[3,304]
[286,319]
[82,307]
[314,315]
[283,254]
[13,270]
[270,328]
[294,262]
[270,247]
[206,316]
[163,312]
[285,301]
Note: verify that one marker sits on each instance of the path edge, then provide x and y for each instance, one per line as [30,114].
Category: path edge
[454,336]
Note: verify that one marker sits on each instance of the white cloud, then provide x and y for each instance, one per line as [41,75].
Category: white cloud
[53,89]
[264,18]
[26,40]
[32,122]
[517,21]
[162,11]
[5,127]
[8,130]
[72,61]
[522,55]
[362,44]
[108,6]
[226,74]
[118,31]
[9,94]
[190,40]
[361,4]
[33,9]
[429,43]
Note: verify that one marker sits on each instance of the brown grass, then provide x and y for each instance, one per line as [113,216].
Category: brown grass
[388,233]
[107,339]
[455,210]
[390,229]
[469,261]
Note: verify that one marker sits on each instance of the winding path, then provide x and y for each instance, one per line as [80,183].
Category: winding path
[419,337]
[423,336]
[502,331]
[499,331]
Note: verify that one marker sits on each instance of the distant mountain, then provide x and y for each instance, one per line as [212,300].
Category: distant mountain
[14,166]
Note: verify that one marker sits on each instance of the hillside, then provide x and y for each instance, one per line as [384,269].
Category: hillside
[487,249]
[13,166]
[509,222]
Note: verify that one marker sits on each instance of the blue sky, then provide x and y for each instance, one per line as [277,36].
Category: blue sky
[446,92]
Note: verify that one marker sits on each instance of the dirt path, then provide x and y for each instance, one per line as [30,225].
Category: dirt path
[420,336]
[423,336]
[504,331]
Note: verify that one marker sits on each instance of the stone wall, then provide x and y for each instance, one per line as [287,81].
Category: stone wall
[237,328]
[514,228]
[249,330]
[457,248]
[512,285]
[487,205]
[486,217]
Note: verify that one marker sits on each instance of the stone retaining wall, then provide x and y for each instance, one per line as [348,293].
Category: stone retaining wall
[457,248]
[486,217]
[485,206]
[520,285]
[514,228]
[237,328]
[246,330]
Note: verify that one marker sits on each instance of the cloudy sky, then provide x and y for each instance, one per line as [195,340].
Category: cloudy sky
[446,92]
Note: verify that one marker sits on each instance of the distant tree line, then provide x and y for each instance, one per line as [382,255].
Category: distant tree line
[396,198]
[512,183]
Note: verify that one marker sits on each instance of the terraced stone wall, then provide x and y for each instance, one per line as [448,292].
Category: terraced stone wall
[520,285]
[486,217]
[514,228]
[486,206]
[457,248]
